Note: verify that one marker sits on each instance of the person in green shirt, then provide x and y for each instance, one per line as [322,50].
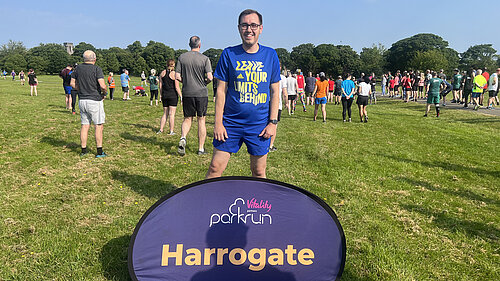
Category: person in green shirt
[434,86]
[153,87]
[477,88]
[456,83]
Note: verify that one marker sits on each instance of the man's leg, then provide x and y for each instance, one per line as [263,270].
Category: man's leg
[83,135]
[427,109]
[202,133]
[186,126]
[258,165]
[98,135]
[219,163]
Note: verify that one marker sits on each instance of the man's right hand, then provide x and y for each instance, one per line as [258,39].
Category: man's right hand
[220,133]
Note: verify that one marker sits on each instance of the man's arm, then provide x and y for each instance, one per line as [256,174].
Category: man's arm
[270,129]
[73,84]
[210,78]
[178,77]
[220,133]
[104,90]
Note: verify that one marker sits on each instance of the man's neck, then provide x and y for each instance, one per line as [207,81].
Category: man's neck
[89,62]
[251,49]
[195,50]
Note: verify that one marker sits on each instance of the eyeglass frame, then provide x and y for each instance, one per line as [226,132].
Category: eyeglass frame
[252,26]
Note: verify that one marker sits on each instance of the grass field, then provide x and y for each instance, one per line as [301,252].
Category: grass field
[419,199]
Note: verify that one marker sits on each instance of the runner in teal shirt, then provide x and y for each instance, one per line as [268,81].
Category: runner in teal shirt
[433,89]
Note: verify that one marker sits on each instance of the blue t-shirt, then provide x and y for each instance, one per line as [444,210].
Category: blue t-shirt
[347,85]
[124,79]
[249,78]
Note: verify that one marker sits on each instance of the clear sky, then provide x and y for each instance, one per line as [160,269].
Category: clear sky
[287,23]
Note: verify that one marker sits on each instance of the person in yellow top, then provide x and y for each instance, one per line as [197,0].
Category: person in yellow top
[477,88]
[319,94]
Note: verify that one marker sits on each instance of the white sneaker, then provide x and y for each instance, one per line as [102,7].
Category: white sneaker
[182,147]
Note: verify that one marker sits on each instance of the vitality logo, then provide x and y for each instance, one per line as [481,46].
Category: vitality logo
[251,211]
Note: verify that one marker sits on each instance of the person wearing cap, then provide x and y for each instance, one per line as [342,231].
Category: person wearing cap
[493,88]
[456,83]
[319,94]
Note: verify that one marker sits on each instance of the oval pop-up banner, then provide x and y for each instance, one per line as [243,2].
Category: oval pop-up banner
[237,229]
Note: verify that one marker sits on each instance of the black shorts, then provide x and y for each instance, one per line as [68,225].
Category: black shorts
[154,94]
[493,94]
[309,94]
[362,100]
[338,93]
[292,97]
[169,100]
[420,88]
[125,89]
[445,92]
[194,106]
[396,87]
[279,115]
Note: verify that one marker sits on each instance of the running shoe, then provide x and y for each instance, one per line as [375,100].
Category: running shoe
[171,133]
[83,154]
[349,120]
[101,155]
[182,147]
[425,115]
[272,149]
[202,152]
[159,132]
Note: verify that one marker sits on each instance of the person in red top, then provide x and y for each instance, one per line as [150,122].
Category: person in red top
[300,88]
[487,77]
[111,85]
[392,83]
[139,91]
[331,87]
[407,84]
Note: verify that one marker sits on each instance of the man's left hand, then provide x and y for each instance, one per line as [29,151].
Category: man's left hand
[269,131]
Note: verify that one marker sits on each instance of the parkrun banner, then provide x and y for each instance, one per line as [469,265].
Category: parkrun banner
[237,229]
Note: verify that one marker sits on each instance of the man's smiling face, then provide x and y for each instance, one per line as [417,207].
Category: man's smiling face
[248,35]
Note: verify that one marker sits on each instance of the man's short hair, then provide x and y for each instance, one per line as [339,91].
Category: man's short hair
[249,12]
[89,56]
[194,42]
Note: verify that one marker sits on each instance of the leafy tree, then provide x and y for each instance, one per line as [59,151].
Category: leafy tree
[39,64]
[372,59]
[213,55]
[54,54]
[16,62]
[431,59]
[399,55]
[10,49]
[156,55]
[139,64]
[112,62]
[303,56]
[284,57]
[80,48]
[136,47]
[327,55]
[479,56]
[125,59]
[348,60]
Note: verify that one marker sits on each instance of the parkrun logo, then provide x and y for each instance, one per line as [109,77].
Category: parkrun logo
[251,211]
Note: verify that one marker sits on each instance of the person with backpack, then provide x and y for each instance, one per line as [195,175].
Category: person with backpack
[153,87]
[66,77]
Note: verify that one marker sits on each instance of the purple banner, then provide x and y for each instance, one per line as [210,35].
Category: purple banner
[238,228]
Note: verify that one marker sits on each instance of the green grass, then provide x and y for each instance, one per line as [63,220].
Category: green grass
[418,198]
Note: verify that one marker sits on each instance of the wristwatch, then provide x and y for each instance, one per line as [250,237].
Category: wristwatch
[273,121]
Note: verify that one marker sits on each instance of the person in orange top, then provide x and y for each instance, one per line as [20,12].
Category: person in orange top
[111,85]
[319,94]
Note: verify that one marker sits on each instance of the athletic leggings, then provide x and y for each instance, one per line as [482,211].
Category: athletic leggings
[74,94]
[154,93]
[111,91]
[346,105]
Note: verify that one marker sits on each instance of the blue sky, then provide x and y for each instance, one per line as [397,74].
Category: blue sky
[359,23]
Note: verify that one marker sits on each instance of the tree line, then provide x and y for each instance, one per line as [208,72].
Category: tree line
[418,52]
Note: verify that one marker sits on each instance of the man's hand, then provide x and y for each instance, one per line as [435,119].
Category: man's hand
[220,133]
[269,131]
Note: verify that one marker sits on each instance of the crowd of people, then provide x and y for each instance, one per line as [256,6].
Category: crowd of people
[250,90]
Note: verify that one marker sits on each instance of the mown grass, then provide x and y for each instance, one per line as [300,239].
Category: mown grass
[418,198]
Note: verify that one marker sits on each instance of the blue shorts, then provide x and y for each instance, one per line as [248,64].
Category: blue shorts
[67,90]
[248,134]
[320,100]
[476,94]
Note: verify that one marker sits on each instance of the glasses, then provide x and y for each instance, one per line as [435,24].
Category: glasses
[245,26]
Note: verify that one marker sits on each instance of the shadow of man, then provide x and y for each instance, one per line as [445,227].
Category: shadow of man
[233,236]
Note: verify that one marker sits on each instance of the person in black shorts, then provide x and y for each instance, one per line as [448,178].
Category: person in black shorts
[169,92]
[338,90]
[32,81]
[194,71]
[309,88]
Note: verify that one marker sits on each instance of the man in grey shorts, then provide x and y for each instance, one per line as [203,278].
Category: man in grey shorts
[194,70]
[88,79]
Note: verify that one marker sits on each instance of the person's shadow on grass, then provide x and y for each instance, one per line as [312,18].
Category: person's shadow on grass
[144,185]
[60,143]
[114,258]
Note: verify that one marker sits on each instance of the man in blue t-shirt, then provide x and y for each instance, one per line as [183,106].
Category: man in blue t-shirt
[247,99]
[125,84]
